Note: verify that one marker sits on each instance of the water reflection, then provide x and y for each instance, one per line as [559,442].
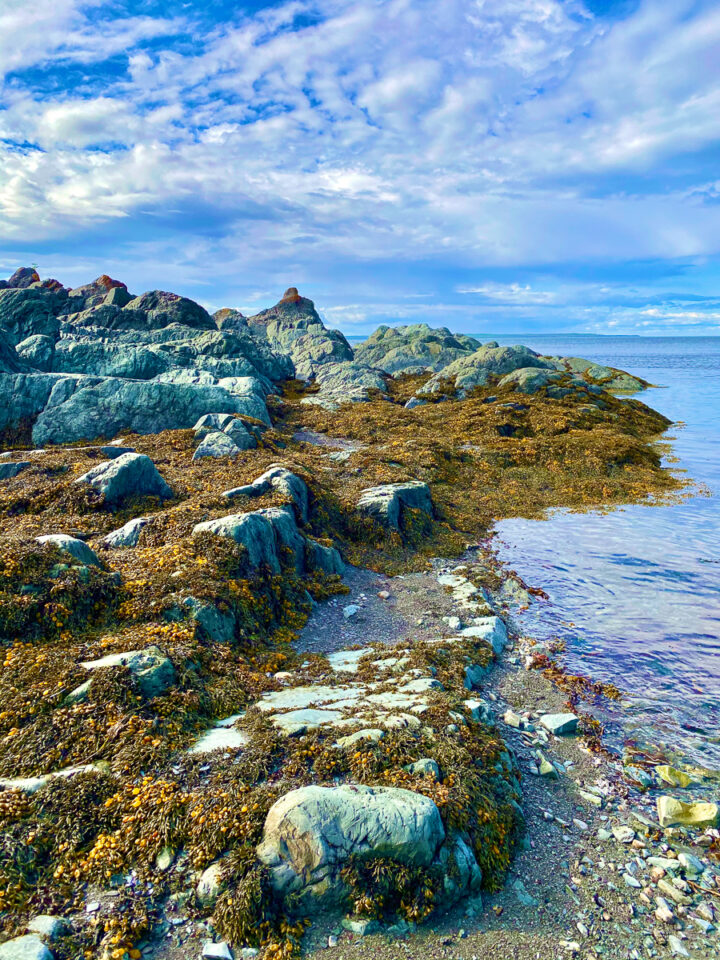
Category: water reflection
[636,593]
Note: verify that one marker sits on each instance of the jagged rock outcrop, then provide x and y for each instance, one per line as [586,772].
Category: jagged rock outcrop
[294,327]
[478,368]
[345,382]
[414,348]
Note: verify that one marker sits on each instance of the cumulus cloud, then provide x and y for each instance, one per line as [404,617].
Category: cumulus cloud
[318,136]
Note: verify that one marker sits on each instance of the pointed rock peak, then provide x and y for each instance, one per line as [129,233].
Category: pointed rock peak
[292,307]
[291,295]
[108,283]
[23,277]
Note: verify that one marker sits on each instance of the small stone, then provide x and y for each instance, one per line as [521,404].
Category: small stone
[676,946]
[92,907]
[603,834]
[350,611]
[546,769]
[512,719]
[664,912]
[332,940]
[363,927]
[384,594]
[424,768]
[672,776]
[692,866]
[592,798]
[631,881]
[561,724]
[247,953]
[221,951]
[623,833]
[671,891]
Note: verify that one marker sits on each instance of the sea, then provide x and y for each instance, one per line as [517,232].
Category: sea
[635,593]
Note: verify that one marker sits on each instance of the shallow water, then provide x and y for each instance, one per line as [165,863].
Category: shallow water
[635,593]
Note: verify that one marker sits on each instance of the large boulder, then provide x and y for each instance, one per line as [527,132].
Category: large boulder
[216,444]
[481,368]
[37,350]
[272,539]
[414,348]
[131,475]
[161,309]
[386,503]
[310,835]
[104,407]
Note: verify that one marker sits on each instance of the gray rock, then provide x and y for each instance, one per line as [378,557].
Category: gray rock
[37,350]
[385,503]
[216,445]
[561,724]
[479,368]
[26,312]
[90,407]
[414,348]
[76,548]
[210,885]
[48,927]
[461,874]
[29,947]
[10,470]
[293,327]
[126,536]
[161,309]
[361,926]
[311,833]
[212,422]
[218,625]
[240,435]
[424,768]
[131,475]
[346,381]
[221,951]
[282,480]
[153,670]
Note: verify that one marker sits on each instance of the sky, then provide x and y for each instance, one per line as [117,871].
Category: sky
[488,165]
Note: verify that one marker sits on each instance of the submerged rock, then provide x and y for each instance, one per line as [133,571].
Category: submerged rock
[673,812]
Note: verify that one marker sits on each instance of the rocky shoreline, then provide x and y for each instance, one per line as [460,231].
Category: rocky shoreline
[240,692]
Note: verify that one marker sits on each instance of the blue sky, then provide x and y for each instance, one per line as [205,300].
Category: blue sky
[489,165]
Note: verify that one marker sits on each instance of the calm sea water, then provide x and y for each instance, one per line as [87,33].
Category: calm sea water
[636,593]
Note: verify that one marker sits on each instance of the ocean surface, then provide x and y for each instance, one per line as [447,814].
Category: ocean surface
[635,593]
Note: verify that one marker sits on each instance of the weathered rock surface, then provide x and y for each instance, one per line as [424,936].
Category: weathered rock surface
[311,833]
[131,475]
[77,549]
[294,327]
[272,539]
[153,670]
[28,947]
[414,348]
[279,478]
[345,382]
[127,535]
[477,369]
[385,503]
[216,444]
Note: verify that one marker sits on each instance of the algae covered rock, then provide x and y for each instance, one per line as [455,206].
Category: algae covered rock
[311,833]
[673,812]
[153,670]
[77,549]
[131,475]
[414,348]
[127,535]
[279,478]
[385,503]
[479,368]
